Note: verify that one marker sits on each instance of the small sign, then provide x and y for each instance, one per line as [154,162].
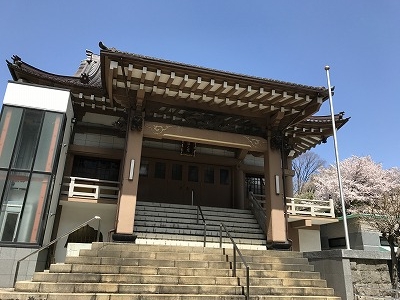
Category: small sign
[188,148]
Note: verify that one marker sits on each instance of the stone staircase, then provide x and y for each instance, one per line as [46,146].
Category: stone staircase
[118,271]
[176,224]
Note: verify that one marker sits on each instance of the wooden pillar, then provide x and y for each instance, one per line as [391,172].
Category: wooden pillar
[129,182]
[275,208]
[239,188]
[289,173]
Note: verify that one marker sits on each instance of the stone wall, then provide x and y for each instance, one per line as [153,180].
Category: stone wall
[370,277]
[353,271]
[8,261]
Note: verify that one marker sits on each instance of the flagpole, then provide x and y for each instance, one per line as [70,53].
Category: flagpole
[346,232]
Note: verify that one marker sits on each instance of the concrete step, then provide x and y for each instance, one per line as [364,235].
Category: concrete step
[57,287]
[6,295]
[200,238]
[149,221]
[165,288]
[189,256]
[205,279]
[131,271]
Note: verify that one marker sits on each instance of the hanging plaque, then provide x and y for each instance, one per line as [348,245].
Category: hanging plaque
[188,148]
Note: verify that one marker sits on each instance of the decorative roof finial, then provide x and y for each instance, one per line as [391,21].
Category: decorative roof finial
[102,46]
[89,55]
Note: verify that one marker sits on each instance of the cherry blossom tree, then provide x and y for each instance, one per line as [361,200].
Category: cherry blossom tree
[363,180]
[370,191]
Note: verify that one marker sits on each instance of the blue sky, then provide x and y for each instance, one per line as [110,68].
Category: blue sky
[288,40]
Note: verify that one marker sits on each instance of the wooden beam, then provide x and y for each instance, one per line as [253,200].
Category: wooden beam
[143,77]
[171,78]
[233,90]
[301,224]
[223,87]
[241,154]
[110,80]
[157,77]
[183,82]
[209,137]
[276,118]
[195,84]
[209,86]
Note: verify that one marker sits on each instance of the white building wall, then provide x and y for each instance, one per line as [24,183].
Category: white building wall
[75,213]
[38,97]
[309,240]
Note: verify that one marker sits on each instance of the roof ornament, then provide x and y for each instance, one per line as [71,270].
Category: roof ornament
[102,46]
[84,78]
[120,123]
[17,60]
[89,55]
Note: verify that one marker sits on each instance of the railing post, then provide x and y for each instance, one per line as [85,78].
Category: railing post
[234,261]
[332,208]
[247,281]
[16,273]
[71,187]
[98,231]
[205,234]
[220,235]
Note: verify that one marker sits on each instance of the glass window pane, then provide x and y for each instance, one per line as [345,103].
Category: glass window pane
[3,175]
[13,200]
[193,174]
[96,168]
[10,224]
[9,124]
[224,176]
[209,175]
[27,139]
[176,172]
[159,171]
[32,214]
[144,168]
[48,142]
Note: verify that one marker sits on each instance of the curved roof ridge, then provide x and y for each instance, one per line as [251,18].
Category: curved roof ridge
[19,64]
[275,81]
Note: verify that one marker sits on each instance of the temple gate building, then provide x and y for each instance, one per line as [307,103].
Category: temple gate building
[128,128]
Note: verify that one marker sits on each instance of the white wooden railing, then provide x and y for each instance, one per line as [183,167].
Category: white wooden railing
[304,207]
[90,188]
[314,208]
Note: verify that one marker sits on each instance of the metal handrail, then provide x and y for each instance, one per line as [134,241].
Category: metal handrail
[200,212]
[236,248]
[258,212]
[56,240]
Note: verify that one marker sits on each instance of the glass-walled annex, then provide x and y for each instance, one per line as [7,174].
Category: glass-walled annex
[30,142]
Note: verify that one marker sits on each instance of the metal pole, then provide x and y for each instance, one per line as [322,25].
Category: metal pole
[98,231]
[346,232]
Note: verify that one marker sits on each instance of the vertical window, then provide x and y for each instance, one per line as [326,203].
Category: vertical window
[13,201]
[95,168]
[144,168]
[159,171]
[48,142]
[255,184]
[224,176]
[29,144]
[176,172]
[34,206]
[25,148]
[193,174]
[9,125]
[209,175]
